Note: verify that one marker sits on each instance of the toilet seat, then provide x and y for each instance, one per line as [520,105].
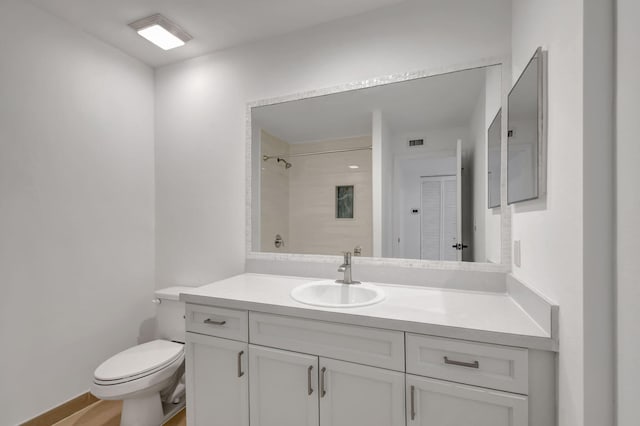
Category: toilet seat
[129,374]
[137,362]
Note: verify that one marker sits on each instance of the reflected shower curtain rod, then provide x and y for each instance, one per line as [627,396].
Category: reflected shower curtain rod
[304,154]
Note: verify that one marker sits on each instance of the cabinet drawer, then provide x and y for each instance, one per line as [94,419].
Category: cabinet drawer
[363,345]
[219,322]
[491,366]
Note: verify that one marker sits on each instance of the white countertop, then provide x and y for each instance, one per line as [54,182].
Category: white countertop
[478,316]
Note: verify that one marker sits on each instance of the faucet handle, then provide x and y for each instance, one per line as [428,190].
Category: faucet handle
[347,257]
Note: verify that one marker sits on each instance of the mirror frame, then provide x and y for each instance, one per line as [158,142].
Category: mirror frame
[252,206]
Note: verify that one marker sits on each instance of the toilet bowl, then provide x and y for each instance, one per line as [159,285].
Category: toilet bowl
[138,376]
[148,378]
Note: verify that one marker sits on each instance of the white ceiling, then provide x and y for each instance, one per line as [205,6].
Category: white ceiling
[214,24]
[439,102]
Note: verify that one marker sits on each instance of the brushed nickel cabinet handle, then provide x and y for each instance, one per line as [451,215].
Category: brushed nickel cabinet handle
[210,321]
[474,364]
[309,388]
[323,391]
[240,372]
[413,402]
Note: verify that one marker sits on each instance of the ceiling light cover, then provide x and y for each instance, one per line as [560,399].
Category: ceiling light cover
[161,32]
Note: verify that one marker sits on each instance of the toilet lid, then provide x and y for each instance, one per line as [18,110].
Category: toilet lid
[139,359]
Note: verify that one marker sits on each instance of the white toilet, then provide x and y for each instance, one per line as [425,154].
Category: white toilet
[149,378]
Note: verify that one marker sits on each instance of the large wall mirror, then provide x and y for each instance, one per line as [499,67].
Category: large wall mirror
[396,170]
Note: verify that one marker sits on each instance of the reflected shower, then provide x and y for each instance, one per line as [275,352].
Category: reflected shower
[287,165]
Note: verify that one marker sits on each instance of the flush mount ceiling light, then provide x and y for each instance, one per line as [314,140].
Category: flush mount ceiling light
[161,32]
[353,166]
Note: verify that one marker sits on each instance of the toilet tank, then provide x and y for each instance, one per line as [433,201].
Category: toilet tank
[170,314]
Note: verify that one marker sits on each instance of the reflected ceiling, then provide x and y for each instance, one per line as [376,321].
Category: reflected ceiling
[442,101]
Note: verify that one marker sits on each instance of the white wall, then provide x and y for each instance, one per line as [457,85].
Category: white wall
[382,171]
[550,229]
[492,222]
[628,211]
[562,254]
[201,105]
[378,162]
[599,212]
[387,189]
[76,208]
[478,133]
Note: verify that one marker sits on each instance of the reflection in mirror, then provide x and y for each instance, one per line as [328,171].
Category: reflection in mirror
[524,134]
[397,170]
[494,154]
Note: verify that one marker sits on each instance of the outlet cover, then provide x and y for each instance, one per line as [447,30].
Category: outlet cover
[517,260]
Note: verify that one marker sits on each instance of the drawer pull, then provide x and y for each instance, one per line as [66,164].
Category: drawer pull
[240,372]
[413,402]
[213,322]
[474,364]
[309,388]
[323,391]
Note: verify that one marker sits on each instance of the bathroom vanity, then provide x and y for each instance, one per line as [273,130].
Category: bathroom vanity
[422,356]
[273,350]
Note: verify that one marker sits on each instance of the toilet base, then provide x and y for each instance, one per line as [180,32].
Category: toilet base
[143,411]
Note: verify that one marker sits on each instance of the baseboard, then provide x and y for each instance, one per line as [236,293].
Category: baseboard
[62,411]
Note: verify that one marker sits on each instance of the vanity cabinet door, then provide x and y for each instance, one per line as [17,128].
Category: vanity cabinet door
[217,381]
[433,402]
[283,389]
[359,395]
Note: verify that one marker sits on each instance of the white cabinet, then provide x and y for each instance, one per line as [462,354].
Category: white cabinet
[433,402]
[472,363]
[218,322]
[363,345]
[217,381]
[286,371]
[283,389]
[359,395]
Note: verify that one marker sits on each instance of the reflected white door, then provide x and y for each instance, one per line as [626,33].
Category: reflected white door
[440,223]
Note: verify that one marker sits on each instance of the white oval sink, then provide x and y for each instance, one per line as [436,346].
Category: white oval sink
[333,295]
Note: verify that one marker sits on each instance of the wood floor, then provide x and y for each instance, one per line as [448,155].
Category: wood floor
[107,413]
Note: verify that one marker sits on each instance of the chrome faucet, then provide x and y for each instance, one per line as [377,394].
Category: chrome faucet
[346,268]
